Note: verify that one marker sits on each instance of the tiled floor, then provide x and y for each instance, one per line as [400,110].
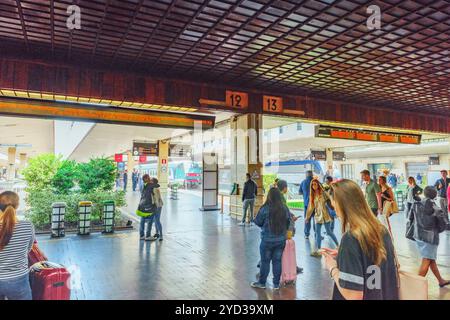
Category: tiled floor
[204,255]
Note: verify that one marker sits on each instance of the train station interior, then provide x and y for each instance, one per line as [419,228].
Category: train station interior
[197,94]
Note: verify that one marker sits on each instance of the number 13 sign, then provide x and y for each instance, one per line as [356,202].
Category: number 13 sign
[272,104]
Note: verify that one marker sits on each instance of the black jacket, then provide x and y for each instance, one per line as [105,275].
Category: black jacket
[423,217]
[250,190]
[416,192]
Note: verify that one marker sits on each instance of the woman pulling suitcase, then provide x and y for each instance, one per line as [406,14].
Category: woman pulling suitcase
[274,219]
[16,241]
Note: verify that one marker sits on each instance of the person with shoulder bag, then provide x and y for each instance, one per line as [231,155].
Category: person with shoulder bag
[426,221]
[16,242]
[366,247]
[318,208]
[157,216]
[146,209]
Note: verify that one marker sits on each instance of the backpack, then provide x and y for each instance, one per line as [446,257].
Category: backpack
[147,206]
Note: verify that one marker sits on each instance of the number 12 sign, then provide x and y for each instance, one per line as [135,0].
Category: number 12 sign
[236,99]
[272,104]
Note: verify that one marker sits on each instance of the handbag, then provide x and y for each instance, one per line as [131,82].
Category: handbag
[410,286]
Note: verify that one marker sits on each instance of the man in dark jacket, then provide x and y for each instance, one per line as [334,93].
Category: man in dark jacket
[248,198]
[304,191]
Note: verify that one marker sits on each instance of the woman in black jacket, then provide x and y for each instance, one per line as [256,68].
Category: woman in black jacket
[426,234]
[412,194]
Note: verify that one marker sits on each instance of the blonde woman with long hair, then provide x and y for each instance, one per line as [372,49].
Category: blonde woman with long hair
[16,240]
[363,267]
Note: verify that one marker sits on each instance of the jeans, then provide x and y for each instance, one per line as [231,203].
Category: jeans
[332,223]
[248,203]
[443,204]
[156,219]
[16,288]
[307,223]
[329,233]
[149,221]
[271,251]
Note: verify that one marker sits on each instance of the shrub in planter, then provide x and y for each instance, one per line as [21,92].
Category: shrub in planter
[40,171]
[64,179]
[40,204]
[98,173]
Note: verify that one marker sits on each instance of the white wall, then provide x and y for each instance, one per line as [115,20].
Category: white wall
[69,134]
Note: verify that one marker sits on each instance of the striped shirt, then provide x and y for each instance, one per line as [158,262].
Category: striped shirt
[14,256]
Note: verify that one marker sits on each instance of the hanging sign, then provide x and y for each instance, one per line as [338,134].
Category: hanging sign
[272,104]
[235,99]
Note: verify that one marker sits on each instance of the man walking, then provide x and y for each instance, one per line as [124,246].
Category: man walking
[248,198]
[442,185]
[372,192]
[304,191]
[125,180]
[134,179]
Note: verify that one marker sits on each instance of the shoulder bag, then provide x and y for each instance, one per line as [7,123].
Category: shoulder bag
[410,286]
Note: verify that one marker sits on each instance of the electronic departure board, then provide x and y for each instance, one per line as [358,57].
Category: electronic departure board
[366,135]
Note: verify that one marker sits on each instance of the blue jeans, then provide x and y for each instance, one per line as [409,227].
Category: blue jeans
[307,223]
[156,219]
[248,203]
[329,233]
[149,221]
[16,288]
[271,251]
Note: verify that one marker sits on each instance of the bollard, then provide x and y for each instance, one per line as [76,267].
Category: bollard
[109,209]
[57,219]
[84,217]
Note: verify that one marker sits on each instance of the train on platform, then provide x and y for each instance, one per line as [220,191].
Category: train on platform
[185,174]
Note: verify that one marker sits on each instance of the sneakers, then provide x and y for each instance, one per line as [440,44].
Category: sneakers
[241,223]
[156,235]
[316,254]
[150,239]
[257,285]
[307,237]
[299,270]
[142,238]
[276,287]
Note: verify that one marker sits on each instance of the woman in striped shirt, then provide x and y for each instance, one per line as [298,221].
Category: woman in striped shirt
[16,240]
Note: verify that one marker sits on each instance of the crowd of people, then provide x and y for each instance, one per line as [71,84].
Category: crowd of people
[366,242]
[367,239]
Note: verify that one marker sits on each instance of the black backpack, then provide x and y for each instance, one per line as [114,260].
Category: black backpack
[147,203]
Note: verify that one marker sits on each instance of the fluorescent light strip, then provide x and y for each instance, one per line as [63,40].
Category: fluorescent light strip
[115,103]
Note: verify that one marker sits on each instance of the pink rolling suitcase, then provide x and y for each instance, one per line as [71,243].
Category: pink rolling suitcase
[289,263]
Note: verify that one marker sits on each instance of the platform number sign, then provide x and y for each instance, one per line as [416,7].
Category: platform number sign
[235,99]
[272,104]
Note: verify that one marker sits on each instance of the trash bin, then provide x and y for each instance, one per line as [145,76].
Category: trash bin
[109,209]
[57,219]
[84,217]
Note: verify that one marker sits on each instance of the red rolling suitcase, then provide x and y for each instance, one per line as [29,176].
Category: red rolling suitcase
[49,281]
[35,255]
[289,263]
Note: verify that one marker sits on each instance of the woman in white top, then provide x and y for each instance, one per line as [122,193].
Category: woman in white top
[16,241]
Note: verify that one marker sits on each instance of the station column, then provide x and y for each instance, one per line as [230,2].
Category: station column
[11,163]
[130,167]
[23,160]
[163,165]
[246,157]
[329,157]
